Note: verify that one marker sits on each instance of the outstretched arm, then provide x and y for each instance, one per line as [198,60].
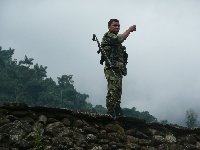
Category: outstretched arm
[128,31]
[117,39]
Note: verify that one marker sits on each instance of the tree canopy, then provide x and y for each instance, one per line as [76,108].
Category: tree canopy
[24,81]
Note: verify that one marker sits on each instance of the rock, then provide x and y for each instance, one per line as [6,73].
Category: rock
[97,148]
[113,137]
[27,119]
[132,139]
[102,134]
[153,131]
[68,132]
[198,145]
[12,118]
[42,119]
[105,146]
[16,131]
[76,148]
[28,128]
[24,144]
[4,139]
[4,120]
[113,145]
[79,139]
[151,148]
[66,122]
[79,123]
[114,128]
[158,140]
[144,142]
[176,147]
[190,147]
[163,147]
[133,146]
[20,113]
[4,148]
[62,142]
[55,128]
[191,139]
[91,130]
[3,111]
[136,133]
[104,141]
[91,138]
[51,120]
[170,138]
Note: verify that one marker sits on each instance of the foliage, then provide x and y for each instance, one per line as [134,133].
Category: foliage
[38,140]
[164,122]
[141,115]
[25,82]
[191,118]
[100,109]
[22,81]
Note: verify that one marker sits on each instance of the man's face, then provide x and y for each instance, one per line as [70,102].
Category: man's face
[114,27]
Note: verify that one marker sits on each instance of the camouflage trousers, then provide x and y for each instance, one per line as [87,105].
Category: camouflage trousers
[114,89]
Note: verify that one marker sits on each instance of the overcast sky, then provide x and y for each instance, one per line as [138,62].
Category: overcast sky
[163,70]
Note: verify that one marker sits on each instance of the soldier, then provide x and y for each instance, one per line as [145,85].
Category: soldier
[112,45]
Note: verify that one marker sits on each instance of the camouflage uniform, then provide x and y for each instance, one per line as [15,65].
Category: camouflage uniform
[111,43]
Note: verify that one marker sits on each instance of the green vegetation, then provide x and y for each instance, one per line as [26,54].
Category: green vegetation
[191,119]
[26,82]
[38,140]
[142,115]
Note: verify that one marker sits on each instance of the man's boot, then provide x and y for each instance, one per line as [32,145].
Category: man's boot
[111,112]
[119,112]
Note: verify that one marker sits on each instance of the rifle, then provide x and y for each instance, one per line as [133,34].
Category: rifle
[103,53]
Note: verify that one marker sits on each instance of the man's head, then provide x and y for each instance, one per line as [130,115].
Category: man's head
[114,26]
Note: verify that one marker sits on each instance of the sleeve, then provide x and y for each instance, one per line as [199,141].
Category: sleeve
[120,38]
[115,39]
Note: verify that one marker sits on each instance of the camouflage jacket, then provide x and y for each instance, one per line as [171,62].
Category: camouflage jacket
[112,45]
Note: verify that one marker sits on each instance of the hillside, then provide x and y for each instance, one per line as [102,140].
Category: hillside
[23,127]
